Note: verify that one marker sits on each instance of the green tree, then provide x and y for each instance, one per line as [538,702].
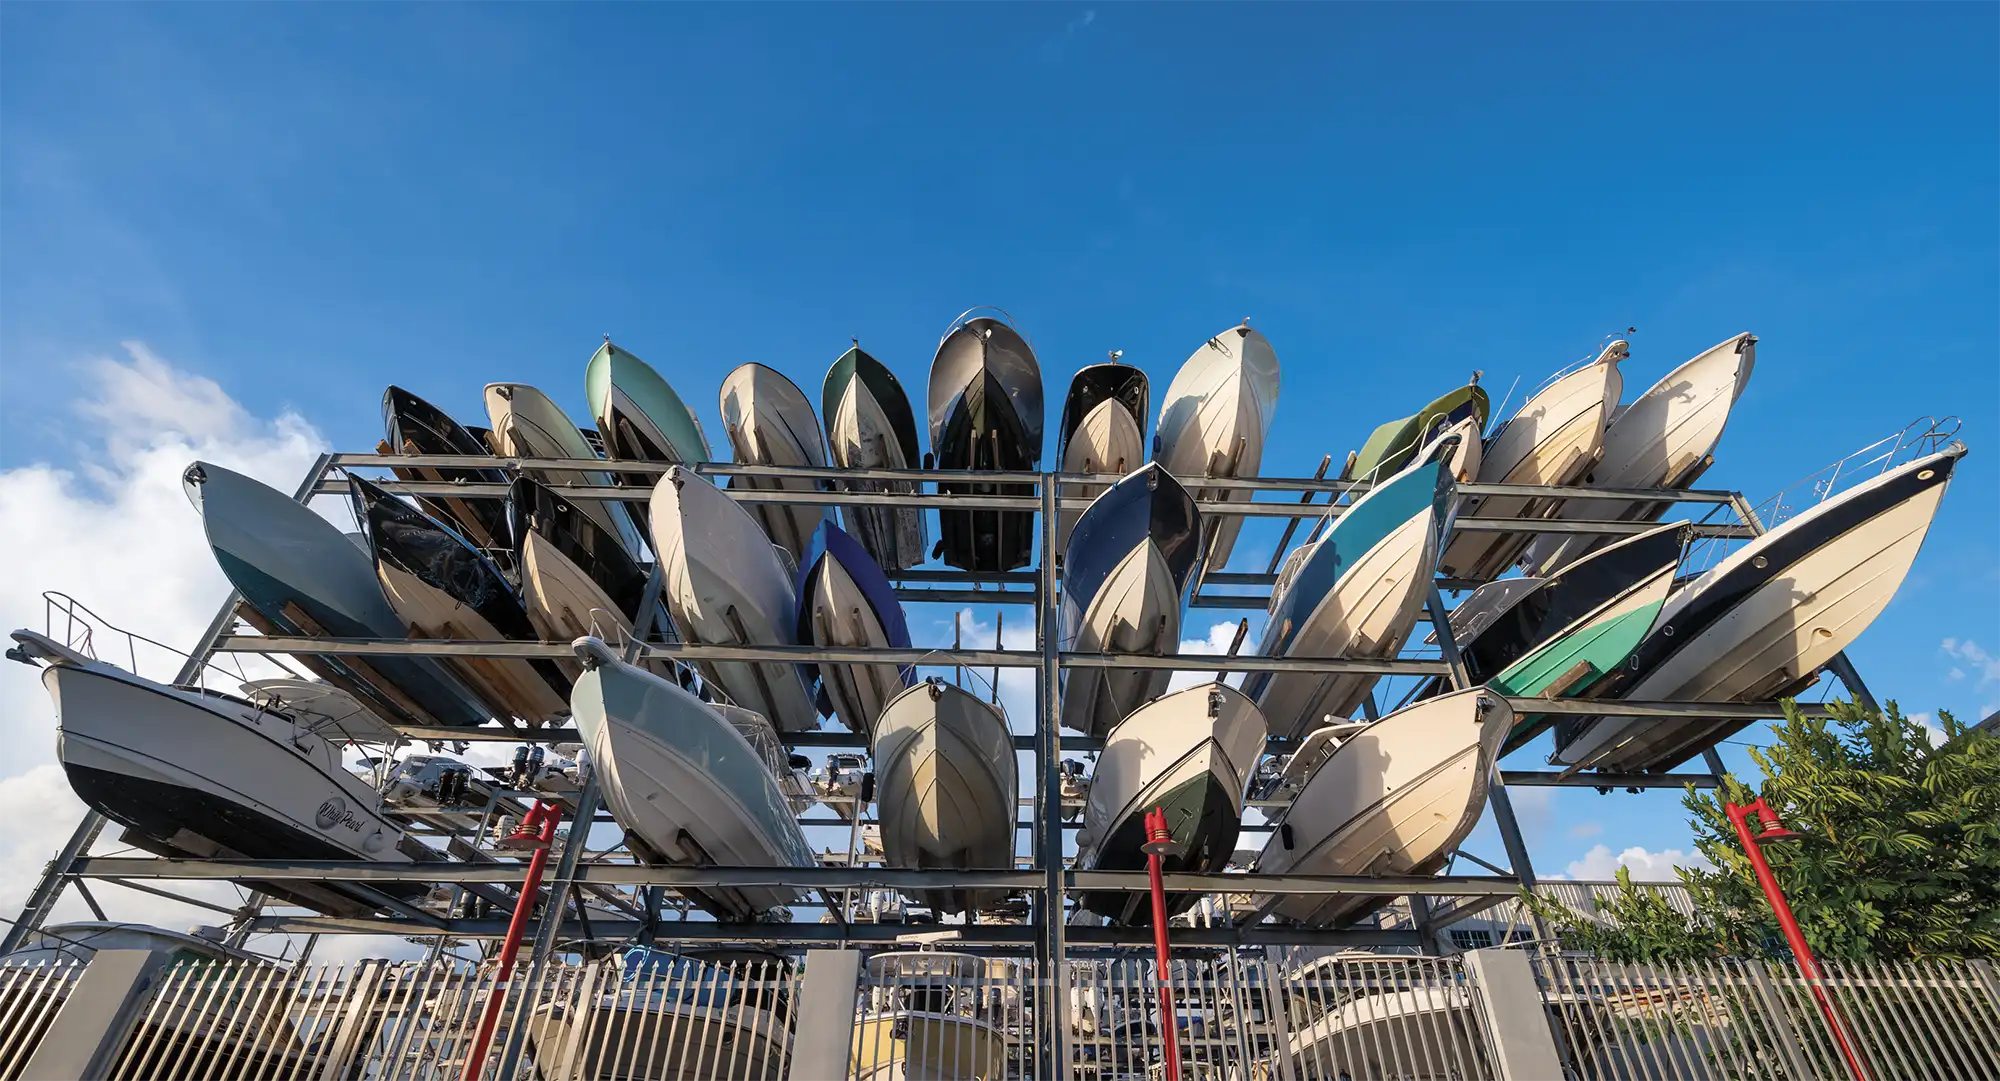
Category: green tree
[1898,858]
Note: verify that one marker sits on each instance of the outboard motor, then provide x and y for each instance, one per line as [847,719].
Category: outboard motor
[519,777]
[536,756]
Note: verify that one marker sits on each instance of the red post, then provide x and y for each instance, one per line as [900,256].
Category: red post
[1739,816]
[545,816]
[1158,841]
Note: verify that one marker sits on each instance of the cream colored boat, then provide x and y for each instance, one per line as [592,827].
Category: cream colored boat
[1664,439]
[1389,798]
[770,422]
[1213,422]
[1555,439]
[946,788]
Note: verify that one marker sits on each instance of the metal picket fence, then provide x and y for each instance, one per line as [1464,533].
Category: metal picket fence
[30,995]
[1730,1019]
[935,1015]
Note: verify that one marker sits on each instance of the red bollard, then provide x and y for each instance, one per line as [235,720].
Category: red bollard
[545,816]
[1774,830]
[1160,842]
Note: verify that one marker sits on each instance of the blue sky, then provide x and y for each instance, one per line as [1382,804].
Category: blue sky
[305,204]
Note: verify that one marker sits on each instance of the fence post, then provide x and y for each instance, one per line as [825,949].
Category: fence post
[1510,1002]
[98,1015]
[823,1026]
[357,1019]
[1982,971]
[1277,1015]
[1781,1031]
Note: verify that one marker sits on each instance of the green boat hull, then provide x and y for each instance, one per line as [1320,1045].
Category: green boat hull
[1203,818]
[645,389]
[1601,646]
[1390,447]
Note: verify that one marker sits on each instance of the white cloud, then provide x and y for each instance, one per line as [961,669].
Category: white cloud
[114,531]
[1599,864]
[1931,728]
[1969,654]
[1213,644]
[1586,829]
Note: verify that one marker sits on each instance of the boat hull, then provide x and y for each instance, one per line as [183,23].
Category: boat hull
[1368,615]
[1213,422]
[946,788]
[1579,658]
[770,422]
[1763,622]
[1137,610]
[724,583]
[1125,571]
[302,576]
[638,414]
[1103,430]
[528,424]
[985,414]
[1189,753]
[441,587]
[836,611]
[1393,799]
[686,784]
[200,780]
[869,426]
[1555,438]
[1664,439]
[1394,445]
[416,426]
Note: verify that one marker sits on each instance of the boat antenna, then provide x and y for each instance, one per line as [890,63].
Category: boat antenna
[1242,631]
[999,626]
[957,672]
[1116,354]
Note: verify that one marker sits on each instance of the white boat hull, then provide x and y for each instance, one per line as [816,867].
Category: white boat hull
[1214,420]
[1664,439]
[1108,441]
[112,723]
[723,583]
[510,686]
[1368,615]
[859,436]
[769,422]
[1136,610]
[685,783]
[843,619]
[1770,641]
[527,424]
[1393,799]
[946,788]
[1555,439]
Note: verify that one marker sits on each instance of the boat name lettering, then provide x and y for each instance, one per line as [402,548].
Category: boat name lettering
[334,812]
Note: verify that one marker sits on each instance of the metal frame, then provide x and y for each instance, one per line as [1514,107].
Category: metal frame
[1045,879]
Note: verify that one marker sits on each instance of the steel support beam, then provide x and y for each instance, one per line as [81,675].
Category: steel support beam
[1048,810]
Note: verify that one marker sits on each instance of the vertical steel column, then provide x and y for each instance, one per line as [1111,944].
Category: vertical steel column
[55,876]
[1048,802]
[1496,794]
